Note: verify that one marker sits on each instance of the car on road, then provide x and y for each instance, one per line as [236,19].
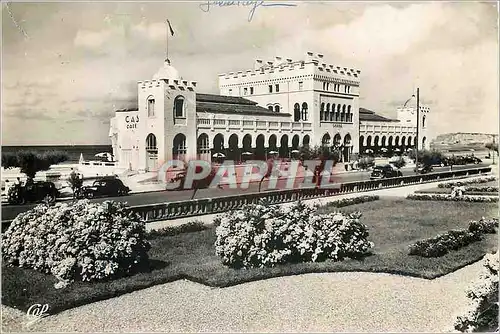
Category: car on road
[384,172]
[472,160]
[33,192]
[106,186]
[423,169]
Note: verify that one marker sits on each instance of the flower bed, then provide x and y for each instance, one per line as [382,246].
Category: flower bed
[449,197]
[453,240]
[482,311]
[351,201]
[192,226]
[263,236]
[482,189]
[85,241]
[470,181]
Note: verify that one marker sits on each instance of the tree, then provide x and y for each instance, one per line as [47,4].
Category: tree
[75,181]
[30,162]
[400,163]
[427,157]
[270,163]
[366,162]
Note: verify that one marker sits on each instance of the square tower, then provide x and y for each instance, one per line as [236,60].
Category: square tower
[167,104]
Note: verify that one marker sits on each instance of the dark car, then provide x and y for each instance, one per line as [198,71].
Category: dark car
[423,169]
[385,171]
[458,160]
[33,192]
[111,186]
[472,160]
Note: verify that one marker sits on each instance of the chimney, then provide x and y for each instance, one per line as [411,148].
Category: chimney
[320,56]
[310,56]
[258,64]
[277,60]
[289,60]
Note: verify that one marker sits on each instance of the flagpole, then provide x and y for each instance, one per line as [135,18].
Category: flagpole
[167,39]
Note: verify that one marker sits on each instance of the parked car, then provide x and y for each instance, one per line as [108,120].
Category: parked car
[423,169]
[472,160]
[385,171]
[106,186]
[33,192]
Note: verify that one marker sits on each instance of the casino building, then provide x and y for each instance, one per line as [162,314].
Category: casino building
[274,108]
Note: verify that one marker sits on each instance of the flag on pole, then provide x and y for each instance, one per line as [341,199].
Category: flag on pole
[170,27]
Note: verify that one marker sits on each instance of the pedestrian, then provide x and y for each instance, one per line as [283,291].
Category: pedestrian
[18,181]
[346,166]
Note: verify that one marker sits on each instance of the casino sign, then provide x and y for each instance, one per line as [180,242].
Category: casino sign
[132,121]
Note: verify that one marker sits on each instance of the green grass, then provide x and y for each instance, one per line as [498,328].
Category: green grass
[393,225]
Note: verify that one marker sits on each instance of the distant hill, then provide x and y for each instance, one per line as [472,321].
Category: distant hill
[462,141]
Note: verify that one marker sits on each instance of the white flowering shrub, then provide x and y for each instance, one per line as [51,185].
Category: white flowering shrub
[482,312]
[263,236]
[85,241]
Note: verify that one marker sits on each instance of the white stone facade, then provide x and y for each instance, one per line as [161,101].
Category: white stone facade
[276,106]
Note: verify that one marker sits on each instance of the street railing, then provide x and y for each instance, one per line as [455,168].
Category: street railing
[197,207]
[184,209]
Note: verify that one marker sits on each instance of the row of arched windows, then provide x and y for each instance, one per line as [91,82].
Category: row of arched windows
[300,113]
[337,113]
[178,110]
[275,108]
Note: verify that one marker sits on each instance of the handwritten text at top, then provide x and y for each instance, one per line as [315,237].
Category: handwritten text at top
[253,4]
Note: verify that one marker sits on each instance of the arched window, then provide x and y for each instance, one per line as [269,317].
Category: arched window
[349,114]
[423,121]
[337,115]
[277,108]
[322,112]
[179,107]
[179,148]
[151,143]
[151,106]
[331,115]
[203,145]
[296,112]
[325,141]
[270,108]
[342,116]
[327,112]
[304,111]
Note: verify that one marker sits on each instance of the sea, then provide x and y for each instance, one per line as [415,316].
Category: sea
[73,151]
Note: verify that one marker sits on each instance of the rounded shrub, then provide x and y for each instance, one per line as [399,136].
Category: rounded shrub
[79,241]
[481,314]
[263,236]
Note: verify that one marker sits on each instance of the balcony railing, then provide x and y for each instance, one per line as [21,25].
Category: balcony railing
[217,123]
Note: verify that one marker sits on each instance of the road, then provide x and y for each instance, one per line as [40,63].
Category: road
[11,211]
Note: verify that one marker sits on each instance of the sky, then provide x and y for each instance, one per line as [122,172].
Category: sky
[67,66]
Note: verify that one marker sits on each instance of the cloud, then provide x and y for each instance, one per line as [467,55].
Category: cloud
[92,39]
[449,50]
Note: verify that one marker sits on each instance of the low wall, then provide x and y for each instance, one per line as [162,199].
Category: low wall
[182,209]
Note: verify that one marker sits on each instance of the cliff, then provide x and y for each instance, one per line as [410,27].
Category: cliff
[462,141]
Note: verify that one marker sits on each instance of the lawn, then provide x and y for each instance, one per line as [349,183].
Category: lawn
[393,225]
